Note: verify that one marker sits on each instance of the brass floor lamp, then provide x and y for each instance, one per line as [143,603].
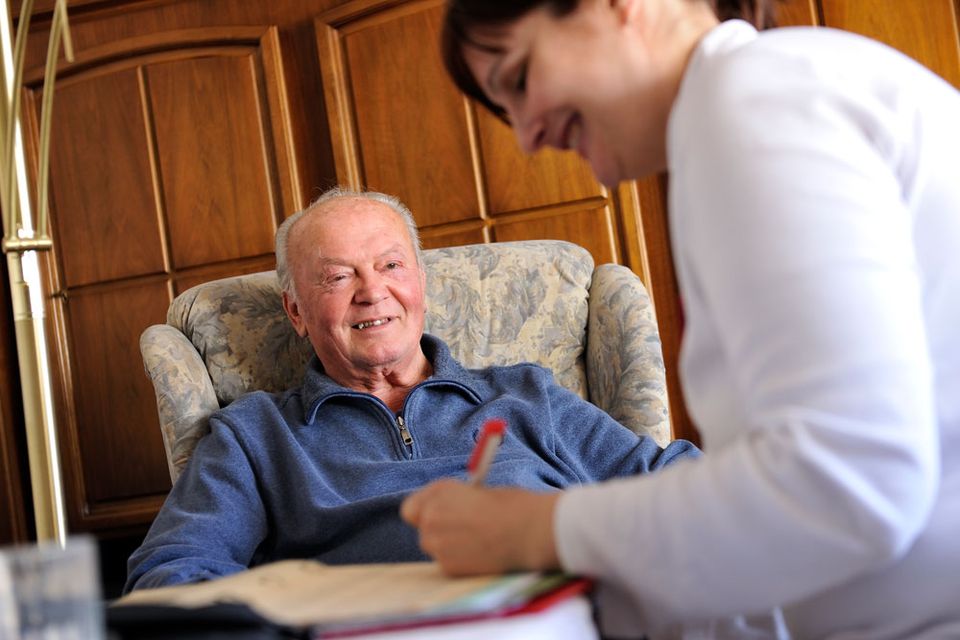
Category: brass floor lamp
[22,239]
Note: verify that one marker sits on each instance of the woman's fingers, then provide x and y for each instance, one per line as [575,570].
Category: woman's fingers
[471,530]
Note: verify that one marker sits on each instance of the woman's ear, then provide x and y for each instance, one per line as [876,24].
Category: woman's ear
[625,10]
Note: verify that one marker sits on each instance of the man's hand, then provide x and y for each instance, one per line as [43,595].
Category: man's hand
[476,530]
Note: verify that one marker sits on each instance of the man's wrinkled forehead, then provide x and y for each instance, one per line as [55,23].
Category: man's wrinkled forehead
[325,218]
[330,260]
[341,204]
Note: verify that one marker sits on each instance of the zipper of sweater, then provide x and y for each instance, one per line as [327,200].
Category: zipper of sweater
[404,432]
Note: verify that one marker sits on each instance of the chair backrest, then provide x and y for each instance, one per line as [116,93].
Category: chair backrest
[532,301]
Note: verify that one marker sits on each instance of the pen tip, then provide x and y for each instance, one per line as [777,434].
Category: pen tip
[495,426]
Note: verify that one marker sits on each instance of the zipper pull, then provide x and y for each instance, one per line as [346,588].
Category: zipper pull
[404,432]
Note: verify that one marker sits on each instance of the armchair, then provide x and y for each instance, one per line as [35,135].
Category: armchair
[539,301]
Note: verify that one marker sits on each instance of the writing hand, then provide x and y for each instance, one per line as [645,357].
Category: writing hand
[473,530]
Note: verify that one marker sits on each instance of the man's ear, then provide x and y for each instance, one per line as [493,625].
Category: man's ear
[292,308]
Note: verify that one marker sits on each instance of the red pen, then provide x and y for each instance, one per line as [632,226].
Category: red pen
[491,435]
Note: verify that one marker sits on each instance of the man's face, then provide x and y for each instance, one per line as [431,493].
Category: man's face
[360,292]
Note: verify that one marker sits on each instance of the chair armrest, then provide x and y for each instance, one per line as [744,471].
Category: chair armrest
[625,371]
[185,397]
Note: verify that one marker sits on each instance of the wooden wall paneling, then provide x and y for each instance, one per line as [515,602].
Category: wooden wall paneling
[394,111]
[580,226]
[311,154]
[115,452]
[218,185]
[798,13]
[96,24]
[12,506]
[222,192]
[278,128]
[927,31]
[45,6]
[183,280]
[100,180]
[454,235]
[339,108]
[627,205]
[409,145]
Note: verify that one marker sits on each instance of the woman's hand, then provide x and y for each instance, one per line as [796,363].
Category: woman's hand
[478,530]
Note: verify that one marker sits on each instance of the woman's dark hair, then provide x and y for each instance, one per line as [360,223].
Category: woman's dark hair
[464,19]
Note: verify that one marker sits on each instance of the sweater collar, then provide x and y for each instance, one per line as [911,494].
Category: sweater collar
[318,386]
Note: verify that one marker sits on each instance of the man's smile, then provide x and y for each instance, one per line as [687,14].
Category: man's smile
[372,323]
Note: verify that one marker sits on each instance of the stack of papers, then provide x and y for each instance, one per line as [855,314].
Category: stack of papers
[349,599]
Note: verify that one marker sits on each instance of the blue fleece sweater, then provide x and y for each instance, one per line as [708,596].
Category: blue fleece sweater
[320,471]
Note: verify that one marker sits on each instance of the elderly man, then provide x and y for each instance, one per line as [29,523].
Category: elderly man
[320,471]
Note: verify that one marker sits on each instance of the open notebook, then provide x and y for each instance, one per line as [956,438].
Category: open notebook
[344,599]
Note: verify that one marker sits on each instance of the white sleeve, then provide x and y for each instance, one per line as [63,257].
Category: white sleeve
[798,263]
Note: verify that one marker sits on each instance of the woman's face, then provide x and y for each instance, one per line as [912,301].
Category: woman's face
[600,80]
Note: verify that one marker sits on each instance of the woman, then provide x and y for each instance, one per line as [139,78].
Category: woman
[815,224]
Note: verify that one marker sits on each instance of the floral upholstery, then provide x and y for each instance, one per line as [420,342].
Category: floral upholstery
[539,301]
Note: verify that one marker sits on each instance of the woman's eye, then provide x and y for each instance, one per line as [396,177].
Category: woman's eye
[520,82]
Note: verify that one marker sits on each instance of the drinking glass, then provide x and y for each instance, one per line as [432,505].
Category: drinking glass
[49,592]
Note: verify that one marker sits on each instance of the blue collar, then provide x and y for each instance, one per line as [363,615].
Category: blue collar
[318,387]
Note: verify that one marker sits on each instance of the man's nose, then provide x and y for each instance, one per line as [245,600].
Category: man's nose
[371,288]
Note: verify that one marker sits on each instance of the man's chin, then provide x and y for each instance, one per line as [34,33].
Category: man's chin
[378,359]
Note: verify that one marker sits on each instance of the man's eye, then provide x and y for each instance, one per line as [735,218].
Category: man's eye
[337,277]
[393,265]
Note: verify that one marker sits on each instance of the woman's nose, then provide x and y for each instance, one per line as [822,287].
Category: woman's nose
[531,131]
[531,134]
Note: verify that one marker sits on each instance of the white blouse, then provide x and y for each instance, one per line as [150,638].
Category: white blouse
[815,221]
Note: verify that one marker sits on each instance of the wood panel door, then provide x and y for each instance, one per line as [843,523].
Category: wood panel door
[173,166]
